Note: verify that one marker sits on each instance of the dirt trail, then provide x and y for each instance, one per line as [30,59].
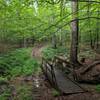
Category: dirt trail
[37,51]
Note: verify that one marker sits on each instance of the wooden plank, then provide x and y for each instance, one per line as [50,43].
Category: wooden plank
[65,85]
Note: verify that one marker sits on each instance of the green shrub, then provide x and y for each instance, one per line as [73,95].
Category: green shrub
[3,80]
[24,92]
[30,66]
[5,95]
[49,52]
[98,88]
[55,93]
[18,62]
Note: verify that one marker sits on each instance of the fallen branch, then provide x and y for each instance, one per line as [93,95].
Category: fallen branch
[89,67]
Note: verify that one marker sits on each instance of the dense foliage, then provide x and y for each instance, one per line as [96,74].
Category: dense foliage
[40,19]
[50,53]
[18,62]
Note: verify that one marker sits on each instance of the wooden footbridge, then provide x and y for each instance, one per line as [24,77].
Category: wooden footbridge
[56,75]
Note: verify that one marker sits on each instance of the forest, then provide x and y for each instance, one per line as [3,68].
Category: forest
[49,49]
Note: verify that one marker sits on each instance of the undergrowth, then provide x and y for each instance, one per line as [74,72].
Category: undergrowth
[49,52]
[13,64]
[55,93]
[24,92]
[18,62]
[98,88]
[5,94]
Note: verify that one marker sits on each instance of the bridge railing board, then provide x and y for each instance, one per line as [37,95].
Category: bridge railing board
[62,63]
[48,70]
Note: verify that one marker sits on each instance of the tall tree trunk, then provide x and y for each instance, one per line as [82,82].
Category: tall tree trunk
[54,42]
[24,42]
[54,37]
[75,31]
[97,35]
[62,4]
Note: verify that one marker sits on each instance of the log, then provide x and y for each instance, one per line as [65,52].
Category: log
[89,67]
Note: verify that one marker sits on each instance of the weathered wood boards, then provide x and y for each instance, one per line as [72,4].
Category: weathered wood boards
[65,84]
[60,80]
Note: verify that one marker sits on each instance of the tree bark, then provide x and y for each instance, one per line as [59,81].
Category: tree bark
[24,42]
[54,42]
[62,8]
[75,34]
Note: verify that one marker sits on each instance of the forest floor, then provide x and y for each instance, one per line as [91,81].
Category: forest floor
[36,87]
[47,92]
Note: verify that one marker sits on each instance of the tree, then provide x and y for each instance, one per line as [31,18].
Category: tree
[75,33]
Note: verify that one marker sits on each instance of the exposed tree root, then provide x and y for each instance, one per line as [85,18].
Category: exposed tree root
[90,67]
[83,74]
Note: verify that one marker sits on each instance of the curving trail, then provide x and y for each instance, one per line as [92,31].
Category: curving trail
[37,51]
